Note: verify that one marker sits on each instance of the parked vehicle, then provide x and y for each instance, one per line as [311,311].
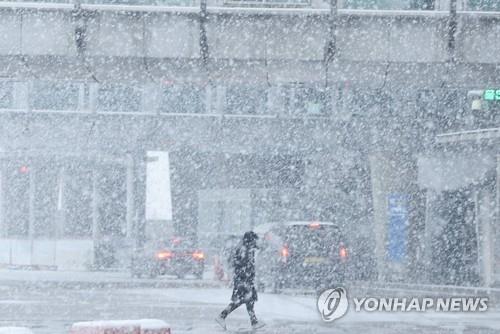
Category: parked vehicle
[300,254]
[180,258]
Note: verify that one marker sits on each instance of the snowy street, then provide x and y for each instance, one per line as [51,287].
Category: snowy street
[189,306]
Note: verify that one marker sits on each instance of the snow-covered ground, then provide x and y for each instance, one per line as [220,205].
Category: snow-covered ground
[190,310]
[15,330]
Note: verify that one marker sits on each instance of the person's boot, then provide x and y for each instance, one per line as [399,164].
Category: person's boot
[221,321]
[257,324]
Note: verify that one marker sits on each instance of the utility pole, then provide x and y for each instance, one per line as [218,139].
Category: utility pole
[203,32]
[452,31]
[331,46]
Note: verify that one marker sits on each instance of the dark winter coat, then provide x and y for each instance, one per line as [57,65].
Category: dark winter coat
[244,274]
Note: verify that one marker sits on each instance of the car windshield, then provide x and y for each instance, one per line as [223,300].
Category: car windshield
[318,240]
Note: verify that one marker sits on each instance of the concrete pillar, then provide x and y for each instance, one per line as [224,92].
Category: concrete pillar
[61,204]
[151,98]
[139,225]
[31,204]
[379,212]
[484,223]
[21,95]
[210,98]
[130,180]
[95,206]
[3,226]
[93,92]
[81,97]
[495,230]
[430,198]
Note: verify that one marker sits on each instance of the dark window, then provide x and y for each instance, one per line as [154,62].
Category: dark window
[46,199]
[484,5]
[310,101]
[78,194]
[182,99]
[6,94]
[302,100]
[17,198]
[119,98]
[390,4]
[422,4]
[488,116]
[48,95]
[245,100]
[112,200]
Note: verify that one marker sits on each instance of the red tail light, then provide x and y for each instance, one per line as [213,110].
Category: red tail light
[314,226]
[343,252]
[198,255]
[284,253]
[164,255]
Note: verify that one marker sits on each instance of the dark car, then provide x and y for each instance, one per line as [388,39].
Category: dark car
[300,254]
[179,258]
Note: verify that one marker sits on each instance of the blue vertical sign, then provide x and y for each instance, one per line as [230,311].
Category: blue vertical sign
[398,221]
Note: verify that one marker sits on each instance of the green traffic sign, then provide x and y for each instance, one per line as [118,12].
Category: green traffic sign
[492,95]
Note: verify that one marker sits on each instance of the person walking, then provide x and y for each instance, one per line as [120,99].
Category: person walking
[244,292]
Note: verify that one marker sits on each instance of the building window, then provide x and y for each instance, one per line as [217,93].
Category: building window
[46,199]
[182,99]
[268,3]
[390,4]
[306,101]
[119,98]
[16,196]
[423,4]
[78,198]
[6,94]
[112,200]
[47,95]
[483,5]
[245,100]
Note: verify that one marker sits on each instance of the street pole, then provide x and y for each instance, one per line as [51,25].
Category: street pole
[31,210]
[203,32]
[331,46]
[130,180]
[452,31]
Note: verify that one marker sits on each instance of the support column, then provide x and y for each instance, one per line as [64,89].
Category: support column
[139,216]
[430,199]
[130,180]
[31,211]
[496,230]
[31,205]
[3,226]
[379,213]
[95,206]
[484,224]
[61,204]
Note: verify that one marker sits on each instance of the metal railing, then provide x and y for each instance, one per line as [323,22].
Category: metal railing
[268,3]
[398,5]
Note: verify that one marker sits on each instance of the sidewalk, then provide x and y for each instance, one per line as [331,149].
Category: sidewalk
[83,279]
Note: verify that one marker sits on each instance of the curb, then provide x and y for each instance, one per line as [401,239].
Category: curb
[142,326]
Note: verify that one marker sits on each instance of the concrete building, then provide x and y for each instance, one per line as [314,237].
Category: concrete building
[267,114]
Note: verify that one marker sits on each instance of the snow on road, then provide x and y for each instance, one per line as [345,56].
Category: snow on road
[15,330]
[279,309]
[191,310]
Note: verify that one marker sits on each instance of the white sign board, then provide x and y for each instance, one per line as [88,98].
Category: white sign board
[158,194]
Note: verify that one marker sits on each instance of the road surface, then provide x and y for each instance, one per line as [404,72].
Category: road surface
[190,308]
